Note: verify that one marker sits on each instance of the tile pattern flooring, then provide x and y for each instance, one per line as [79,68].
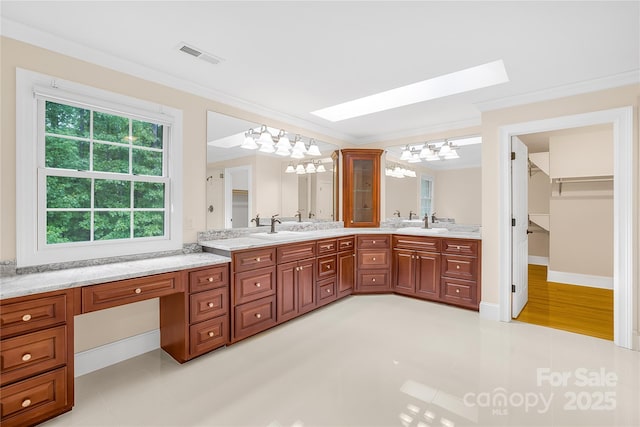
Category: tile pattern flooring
[379,360]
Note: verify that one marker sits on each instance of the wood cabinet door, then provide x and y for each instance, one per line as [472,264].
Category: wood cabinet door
[287,295]
[346,273]
[306,286]
[361,187]
[404,271]
[427,281]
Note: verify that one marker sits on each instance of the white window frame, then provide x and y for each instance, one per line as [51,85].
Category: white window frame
[31,248]
[433,185]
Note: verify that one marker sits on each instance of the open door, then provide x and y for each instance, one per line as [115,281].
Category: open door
[520,223]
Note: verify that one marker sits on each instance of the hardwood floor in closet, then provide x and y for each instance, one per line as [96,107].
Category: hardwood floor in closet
[579,309]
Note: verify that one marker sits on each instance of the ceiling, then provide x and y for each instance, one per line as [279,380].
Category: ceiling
[285,59]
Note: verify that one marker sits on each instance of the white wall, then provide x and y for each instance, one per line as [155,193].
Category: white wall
[458,194]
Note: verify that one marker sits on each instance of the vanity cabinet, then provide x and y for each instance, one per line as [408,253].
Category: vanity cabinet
[460,273]
[346,266]
[36,354]
[326,272]
[253,292]
[416,266]
[296,284]
[373,263]
[361,187]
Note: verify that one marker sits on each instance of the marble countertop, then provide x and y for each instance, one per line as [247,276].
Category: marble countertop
[28,284]
[257,240]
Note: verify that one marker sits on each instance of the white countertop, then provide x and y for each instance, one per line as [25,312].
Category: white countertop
[258,240]
[28,284]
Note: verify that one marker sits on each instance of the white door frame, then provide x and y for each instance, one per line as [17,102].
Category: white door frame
[228,187]
[624,193]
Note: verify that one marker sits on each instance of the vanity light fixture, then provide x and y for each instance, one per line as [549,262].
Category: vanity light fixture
[283,146]
[406,153]
[320,168]
[415,158]
[311,168]
[266,140]
[300,169]
[290,169]
[249,143]
[313,148]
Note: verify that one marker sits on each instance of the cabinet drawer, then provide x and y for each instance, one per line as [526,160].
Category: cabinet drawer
[372,280]
[287,253]
[460,292]
[98,297]
[326,291]
[254,317]
[253,285]
[373,259]
[326,246]
[373,241]
[33,353]
[208,304]
[327,266]
[426,244]
[459,266]
[31,401]
[460,246]
[211,278]
[25,316]
[346,243]
[255,258]
[206,336]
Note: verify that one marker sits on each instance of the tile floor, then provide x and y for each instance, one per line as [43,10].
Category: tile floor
[375,361]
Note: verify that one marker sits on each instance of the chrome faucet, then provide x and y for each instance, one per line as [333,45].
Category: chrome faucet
[433,217]
[310,215]
[411,214]
[299,216]
[426,221]
[273,223]
[256,220]
[397,213]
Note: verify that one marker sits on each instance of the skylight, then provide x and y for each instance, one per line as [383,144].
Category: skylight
[481,76]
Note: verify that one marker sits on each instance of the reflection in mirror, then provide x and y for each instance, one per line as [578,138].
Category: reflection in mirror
[254,172]
[444,176]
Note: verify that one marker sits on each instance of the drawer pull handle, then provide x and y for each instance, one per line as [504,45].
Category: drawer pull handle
[211,334]
[210,279]
[26,357]
[258,284]
[138,290]
[458,267]
[210,305]
[26,403]
[26,317]
[457,291]
[258,315]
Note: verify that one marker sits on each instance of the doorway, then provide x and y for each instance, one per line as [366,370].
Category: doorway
[237,185]
[623,264]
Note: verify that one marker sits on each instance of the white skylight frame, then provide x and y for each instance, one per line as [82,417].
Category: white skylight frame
[481,76]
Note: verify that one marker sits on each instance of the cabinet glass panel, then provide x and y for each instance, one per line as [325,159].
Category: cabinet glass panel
[363,190]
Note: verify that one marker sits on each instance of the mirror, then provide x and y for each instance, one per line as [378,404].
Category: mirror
[260,183]
[441,183]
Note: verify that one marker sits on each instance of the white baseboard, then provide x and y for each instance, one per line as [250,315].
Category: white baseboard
[538,260]
[112,353]
[602,282]
[489,311]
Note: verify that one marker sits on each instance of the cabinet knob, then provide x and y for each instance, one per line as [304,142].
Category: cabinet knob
[211,334]
[353,255]
[457,291]
[328,267]
[258,259]
[458,267]
[374,242]
[210,305]
[26,357]
[26,317]
[26,403]
[328,291]
[258,315]
[373,280]
[458,247]
[138,291]
[374,258]
[258,284]
[211,279]
[301,267]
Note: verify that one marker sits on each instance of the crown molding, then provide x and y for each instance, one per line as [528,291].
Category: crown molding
[42,39]
[434,128]
[594,85]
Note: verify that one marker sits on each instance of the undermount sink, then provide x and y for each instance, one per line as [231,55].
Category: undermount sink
[296,223]
[283,234]
[412,221]
[421,230]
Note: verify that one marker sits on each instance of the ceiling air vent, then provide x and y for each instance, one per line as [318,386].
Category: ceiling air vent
[190,50]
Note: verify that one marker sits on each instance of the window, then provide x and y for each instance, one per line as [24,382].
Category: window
[96,175]
[426,196]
